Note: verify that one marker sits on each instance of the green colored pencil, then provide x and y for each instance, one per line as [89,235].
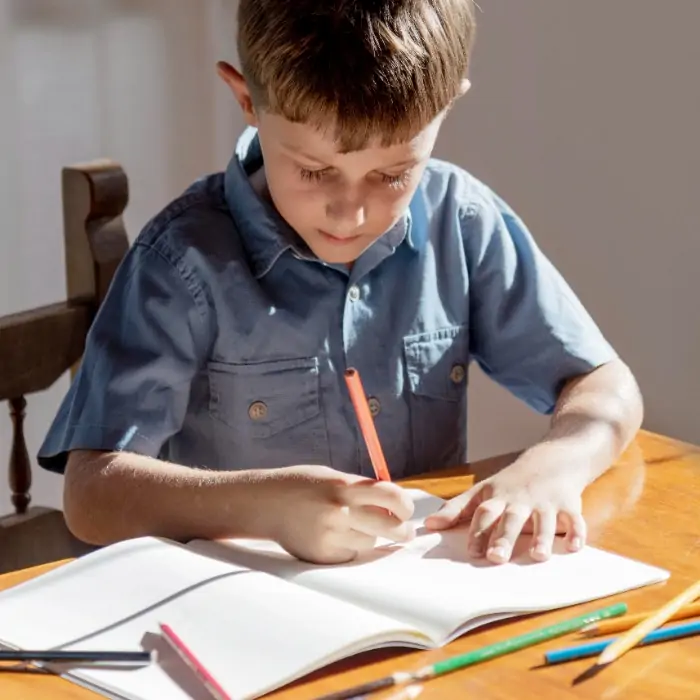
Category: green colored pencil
[491,651]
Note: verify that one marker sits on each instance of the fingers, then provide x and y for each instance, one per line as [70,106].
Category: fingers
[576,531]
[506,532]
[379,510]
[379,523]
[514,520]
[545,530]
[485,516]
[456,510]
[380,494]
[357,531]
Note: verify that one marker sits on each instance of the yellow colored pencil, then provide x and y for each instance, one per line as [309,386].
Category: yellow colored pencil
[605,627]
[633,636]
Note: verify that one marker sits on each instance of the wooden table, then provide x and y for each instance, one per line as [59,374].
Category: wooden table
[647,507]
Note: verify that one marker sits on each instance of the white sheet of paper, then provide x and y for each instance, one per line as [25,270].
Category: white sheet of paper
[433,584]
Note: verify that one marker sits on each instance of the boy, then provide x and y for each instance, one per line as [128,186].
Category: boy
[210,401]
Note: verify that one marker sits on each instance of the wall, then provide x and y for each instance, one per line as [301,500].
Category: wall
[583,115]
[586,118]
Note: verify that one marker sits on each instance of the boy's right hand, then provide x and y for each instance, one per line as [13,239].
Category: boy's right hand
[327,517]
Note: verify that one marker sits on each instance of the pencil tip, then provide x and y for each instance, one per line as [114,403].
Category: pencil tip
[606,657]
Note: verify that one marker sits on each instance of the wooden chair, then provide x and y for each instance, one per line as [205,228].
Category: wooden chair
[39,346]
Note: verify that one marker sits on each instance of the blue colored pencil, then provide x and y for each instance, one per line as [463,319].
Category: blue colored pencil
[582,651]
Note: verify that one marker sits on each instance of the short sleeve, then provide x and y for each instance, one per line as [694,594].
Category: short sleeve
[529,331]
[144,347]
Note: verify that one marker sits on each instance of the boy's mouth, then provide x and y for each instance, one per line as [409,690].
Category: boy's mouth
[338,240]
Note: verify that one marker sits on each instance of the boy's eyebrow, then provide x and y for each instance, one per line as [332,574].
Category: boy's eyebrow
[297,152]
[313,159]
[405,163]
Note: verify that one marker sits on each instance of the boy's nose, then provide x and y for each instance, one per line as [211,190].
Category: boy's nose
[346,216]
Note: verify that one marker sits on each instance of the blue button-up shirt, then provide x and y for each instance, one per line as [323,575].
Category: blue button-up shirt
[223,341]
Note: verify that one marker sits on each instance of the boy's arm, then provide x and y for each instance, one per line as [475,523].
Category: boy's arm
[111,496]
[314,512]
[532,335]
[596,417]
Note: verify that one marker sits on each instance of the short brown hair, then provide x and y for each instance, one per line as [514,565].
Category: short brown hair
[371,68]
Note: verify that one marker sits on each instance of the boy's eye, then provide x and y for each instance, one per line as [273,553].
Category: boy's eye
[396,181]
[313,175]
[393,181]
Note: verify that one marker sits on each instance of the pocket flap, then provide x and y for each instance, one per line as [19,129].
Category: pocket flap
[264,398]
[437,362]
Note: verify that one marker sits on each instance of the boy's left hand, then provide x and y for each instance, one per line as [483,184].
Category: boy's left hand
[519,499]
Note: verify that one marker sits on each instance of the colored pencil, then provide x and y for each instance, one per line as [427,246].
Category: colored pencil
[188,657]
[582,651]
[138,658]
[491,651]
[600,629]
[366,422]
[633,636]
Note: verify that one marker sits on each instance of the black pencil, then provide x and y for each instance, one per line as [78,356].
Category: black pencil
[367,688]
[78,657]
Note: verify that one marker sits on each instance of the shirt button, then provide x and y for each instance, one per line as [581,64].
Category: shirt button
[458,374]
[374,406]
[354,293]
[257,410]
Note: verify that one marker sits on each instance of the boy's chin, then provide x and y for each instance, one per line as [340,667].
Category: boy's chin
[338,256]
[337,259]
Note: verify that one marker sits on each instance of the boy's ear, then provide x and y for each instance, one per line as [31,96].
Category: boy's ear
[464,87]
[239,87]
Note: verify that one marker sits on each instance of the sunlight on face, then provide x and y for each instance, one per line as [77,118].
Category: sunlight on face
[340,203]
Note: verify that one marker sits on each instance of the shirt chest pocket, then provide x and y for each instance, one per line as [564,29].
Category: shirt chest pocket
[437,377]
[272,412]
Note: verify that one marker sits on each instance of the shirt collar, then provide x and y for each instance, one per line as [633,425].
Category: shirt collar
[266,235]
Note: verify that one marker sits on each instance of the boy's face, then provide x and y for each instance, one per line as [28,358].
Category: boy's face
[339,203]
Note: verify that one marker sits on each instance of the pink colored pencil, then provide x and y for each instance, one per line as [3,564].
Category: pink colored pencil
[185,653]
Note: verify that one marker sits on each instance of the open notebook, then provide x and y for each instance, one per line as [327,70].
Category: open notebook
[258,618]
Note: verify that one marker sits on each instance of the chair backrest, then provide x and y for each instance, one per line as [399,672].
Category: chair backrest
[38,346]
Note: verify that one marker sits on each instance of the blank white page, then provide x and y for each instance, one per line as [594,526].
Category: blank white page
[101,589]
[253,632]
[433,584]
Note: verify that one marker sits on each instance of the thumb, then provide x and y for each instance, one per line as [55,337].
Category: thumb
[456,510]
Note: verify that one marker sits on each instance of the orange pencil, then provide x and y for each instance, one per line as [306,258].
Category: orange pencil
[364,418]
[600,629]
[632,637]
